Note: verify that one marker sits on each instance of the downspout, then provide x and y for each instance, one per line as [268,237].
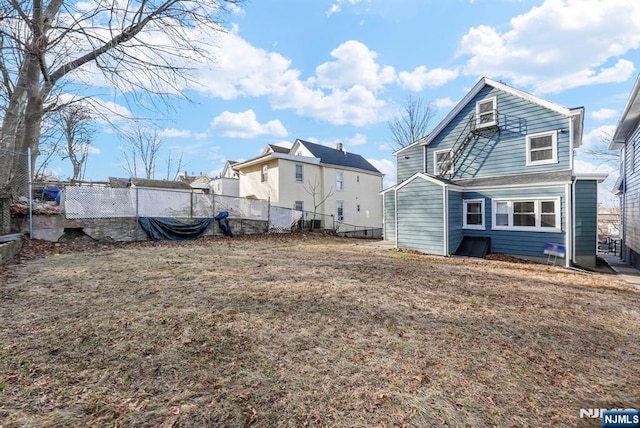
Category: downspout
[395,203]
[445,204]
[571,231]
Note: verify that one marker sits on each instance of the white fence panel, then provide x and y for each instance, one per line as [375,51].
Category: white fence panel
[98,202]
[163,203]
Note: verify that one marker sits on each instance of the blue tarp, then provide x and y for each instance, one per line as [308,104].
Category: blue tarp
[170,229]
[223,222]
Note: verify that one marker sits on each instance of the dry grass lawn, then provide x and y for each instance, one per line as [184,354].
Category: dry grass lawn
[309,331]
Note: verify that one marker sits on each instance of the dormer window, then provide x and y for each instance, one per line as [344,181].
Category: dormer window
[486,113]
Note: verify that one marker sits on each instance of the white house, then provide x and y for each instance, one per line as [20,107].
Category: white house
[314,178]
[227,183]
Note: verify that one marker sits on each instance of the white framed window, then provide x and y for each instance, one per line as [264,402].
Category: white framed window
[542,148]
[473,214]
[264,173]
[538,215]
[340,210]
[299,173]
[486,112]
[339,180]
[298,205]
[443,162]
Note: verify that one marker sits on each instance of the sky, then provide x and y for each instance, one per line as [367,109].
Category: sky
[331,71]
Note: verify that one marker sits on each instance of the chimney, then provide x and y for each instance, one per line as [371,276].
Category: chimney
[339,147]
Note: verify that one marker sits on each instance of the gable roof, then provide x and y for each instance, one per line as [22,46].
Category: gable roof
[577,112]
[335,157]
[629,119]
[271,148]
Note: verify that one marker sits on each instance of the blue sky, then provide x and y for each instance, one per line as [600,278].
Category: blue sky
[333,71]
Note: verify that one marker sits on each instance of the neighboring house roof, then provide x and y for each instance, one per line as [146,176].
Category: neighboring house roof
[117,182]
[320,155]
[629,120]
[577,112]
[330,156]
[271,148]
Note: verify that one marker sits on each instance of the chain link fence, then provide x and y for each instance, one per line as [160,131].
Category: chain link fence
[14,188]
[82,202]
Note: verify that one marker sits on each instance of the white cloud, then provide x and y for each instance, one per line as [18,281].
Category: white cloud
[420,78]
[604,114]
[558,45]
[355,64]
[174,133]
[443,103]
[245,125]
[597,139]
[386,167]
[337,6]
[356,140]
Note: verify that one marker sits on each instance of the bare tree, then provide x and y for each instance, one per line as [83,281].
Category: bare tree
[78,133]
[174,166]
[141,152]
[412,124]
[138,47]
[317,197]
[601,151]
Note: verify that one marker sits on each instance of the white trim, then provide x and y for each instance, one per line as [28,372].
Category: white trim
[445,222]
[570,195]
[554,148]
[340,173]
[528,186]
[494,108]
[598,176]
[537,213]
[395,206]
[430,179]
[436,168]
[501,86]
[464,214]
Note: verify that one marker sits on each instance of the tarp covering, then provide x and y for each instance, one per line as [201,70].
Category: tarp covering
[170,229]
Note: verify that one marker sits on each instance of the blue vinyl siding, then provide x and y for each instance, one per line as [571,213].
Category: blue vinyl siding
[390,216]
[409,162]
[455,220]
[631,200]
[503,152]
[586,218]
[421,217]
[518,242]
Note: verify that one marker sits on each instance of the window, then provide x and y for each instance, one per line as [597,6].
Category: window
[339,180]
[486,113]
[542,148]
[265,170]
[298,205]
[299,173]
[443,162]
[340,210]
[542,215]
[473,216]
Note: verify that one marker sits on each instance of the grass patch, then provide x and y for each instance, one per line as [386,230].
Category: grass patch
[310,331]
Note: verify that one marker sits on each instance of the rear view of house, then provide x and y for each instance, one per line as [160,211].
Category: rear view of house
[498,170]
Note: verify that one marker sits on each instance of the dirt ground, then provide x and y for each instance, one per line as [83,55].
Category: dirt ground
[306,330]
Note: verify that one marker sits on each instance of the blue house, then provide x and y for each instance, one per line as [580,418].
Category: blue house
[626,138]
[496,175]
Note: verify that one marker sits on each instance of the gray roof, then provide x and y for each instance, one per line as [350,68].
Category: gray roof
[118,182]
[335,157]
[518,179]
